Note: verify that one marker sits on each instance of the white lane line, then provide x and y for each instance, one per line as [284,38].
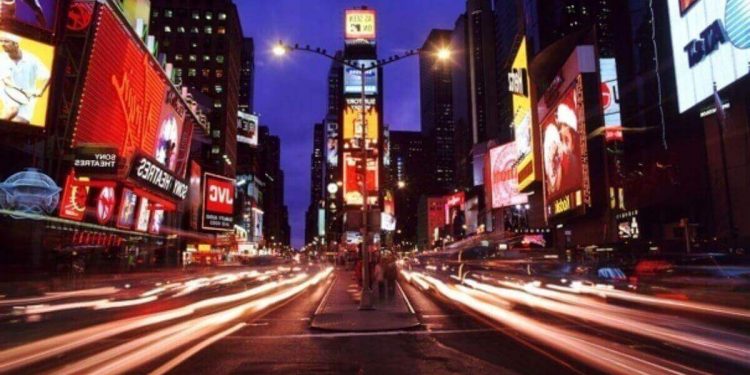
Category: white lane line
[411,308]
[325,296]
[361,334]
[163,369]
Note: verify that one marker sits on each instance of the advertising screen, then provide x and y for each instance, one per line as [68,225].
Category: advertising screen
[157,219]
[353,78]
[353,119]
[105,205]
[454,207]
[711,44]
[126,214]
[169,150]
[471,213]
[565,153]
[25,67]
[247,128]
[353,180]
[257,224]
[610,100]
[218,202]
[144,214]
[360,24]
[518,84]
[39,13]
[332,144]
[503,181]
[73,202]
[194,194]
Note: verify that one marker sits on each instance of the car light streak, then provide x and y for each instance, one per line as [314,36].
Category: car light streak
[55,296]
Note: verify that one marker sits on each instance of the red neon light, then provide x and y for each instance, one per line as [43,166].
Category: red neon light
[219,195]
[73,204]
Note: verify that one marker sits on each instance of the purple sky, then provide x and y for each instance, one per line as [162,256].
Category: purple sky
[290,94]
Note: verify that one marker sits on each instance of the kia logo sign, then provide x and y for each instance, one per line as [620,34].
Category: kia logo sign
[218,202]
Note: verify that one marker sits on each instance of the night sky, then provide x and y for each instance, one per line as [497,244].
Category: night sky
[291,93]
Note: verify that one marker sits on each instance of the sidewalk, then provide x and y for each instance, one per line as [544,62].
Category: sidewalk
[339,310]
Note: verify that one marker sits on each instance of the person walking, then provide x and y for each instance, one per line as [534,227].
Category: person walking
[391,273]
[377,279]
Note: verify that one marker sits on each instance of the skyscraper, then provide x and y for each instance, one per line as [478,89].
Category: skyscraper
[317,170]
[483,72]
[247,76]
[407,170]
[436,101]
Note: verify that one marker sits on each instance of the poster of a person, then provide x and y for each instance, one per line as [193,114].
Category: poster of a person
[23,79]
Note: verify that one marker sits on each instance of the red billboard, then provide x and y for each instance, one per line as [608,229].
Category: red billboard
[218,202]
[353,179]
[564,153]
[503,180]
[73,202]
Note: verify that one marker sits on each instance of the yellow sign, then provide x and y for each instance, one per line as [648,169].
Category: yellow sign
[353,122]
[523,118]
[25,67]
[360,24]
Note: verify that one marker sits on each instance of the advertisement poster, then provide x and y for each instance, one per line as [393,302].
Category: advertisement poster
[157,219]
[504,178]
[519,85]
[126,215]
[360,24]
[74,197]
[194,194]
[332,144]
[144,214]
[353,180]
[247,128]
[471,213]
[257,224]
[25,67]
[564,147]
[353,120]
[105,205]
[218,202]
[38,13]
[353,78]
[170,129]
[710,44]
[610,100]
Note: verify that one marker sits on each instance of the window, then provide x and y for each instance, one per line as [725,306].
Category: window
[219,89]
[209,16]
[167,29]
[196,15]
[220,59]
[222,16]
[206,72]
[206,58]
[215,149]
[193,58]
[219,73]
[221,30]
[194,29]
[181,29]
[217,104]
[192,72]
[155,14]
[205,90]
[216,133]
[208,30]
[168,13]
[194,45]
[178,72]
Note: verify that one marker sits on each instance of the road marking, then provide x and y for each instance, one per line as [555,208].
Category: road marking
[163,369]
[405,298]
[325,297]
[362,334]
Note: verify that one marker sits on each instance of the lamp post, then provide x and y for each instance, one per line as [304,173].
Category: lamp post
[441,54]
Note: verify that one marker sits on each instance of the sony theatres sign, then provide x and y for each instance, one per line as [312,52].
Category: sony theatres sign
[154,176]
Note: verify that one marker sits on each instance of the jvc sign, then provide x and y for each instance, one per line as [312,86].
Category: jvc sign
[218,202]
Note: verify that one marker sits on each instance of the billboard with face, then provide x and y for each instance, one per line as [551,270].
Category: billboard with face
[170,151]
[353,180]
[247,128]
[565,153]
[353,78]
[353,120]
[711,44]
[25,67]
[503,179]
[360,24]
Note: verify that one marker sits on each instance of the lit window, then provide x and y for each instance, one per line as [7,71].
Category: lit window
[221,30]
[209,15]
[208,30]
[217,104]
[206,58]
[193,58]
[204,89]
[215,149]
[220,59]
[178,72]
[181,29]
[178,57]
[222,16]
[206,72]
[194,45]
[218,89]
[196,15]
[167,29]
[168,13]
[192,72]
[155,14]
[216,133]
[194,29]
[219,73]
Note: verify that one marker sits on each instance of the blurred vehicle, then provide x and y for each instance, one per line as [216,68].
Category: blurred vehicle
[708,271]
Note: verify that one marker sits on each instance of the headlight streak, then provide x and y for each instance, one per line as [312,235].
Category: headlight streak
[606,356]
[27,354]
[55,296]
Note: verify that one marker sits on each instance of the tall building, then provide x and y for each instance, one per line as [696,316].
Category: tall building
[483,70]
[201,38]
[333,201]
[463,134]
[436,101]
[407,170]
[317,181]
[275,221]
[247,76]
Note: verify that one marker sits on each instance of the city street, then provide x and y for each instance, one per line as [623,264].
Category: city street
[258,321]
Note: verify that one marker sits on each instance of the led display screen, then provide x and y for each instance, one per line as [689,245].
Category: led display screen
[126,214]
[710,44]
[247,128]
[74,197]
[353,180]
[39,13]
[25,70]
[565,153]
[519,86]
[144,214]
[353,120]
[353,78]
[503,179]
[610,99]
[332,144]
[360,24]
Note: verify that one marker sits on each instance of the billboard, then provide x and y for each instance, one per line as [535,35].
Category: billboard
[95,160]
[25,70]
[74,197]
[503,178]
[218,202]
[247,128]
[173,135]
[360,24]
[565,153]
[471,214]
[353,119]
[353,78]
[257,224]
[710,43]
[38,13]
[194,194]
[144,214]
[126,214]
[520,87]
[353,180]
[105,205]
[610,100]
[332,144]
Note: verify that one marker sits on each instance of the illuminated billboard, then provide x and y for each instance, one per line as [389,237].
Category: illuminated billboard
[353,180]
[218,202]
[38,13]
[565,153]
[520,87]
[610,100]
[126,214]
[73,202]
[257,224]
[503,178]
[332,144]
[360,24]
[247,128]
[144,214]
[353,119]
[173,135]
[353,78]
[710,44]
[25,70]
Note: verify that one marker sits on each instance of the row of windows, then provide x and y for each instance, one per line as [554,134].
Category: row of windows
[194,58]
[196,15]
[196,30]
[205,73]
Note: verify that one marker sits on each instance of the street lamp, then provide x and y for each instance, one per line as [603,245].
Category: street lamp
[441,54]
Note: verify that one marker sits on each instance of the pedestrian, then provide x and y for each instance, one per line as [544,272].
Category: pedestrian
[131,262]
[358,272]
[391,273]
[377,279]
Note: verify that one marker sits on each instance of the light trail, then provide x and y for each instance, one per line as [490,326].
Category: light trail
[56,296]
